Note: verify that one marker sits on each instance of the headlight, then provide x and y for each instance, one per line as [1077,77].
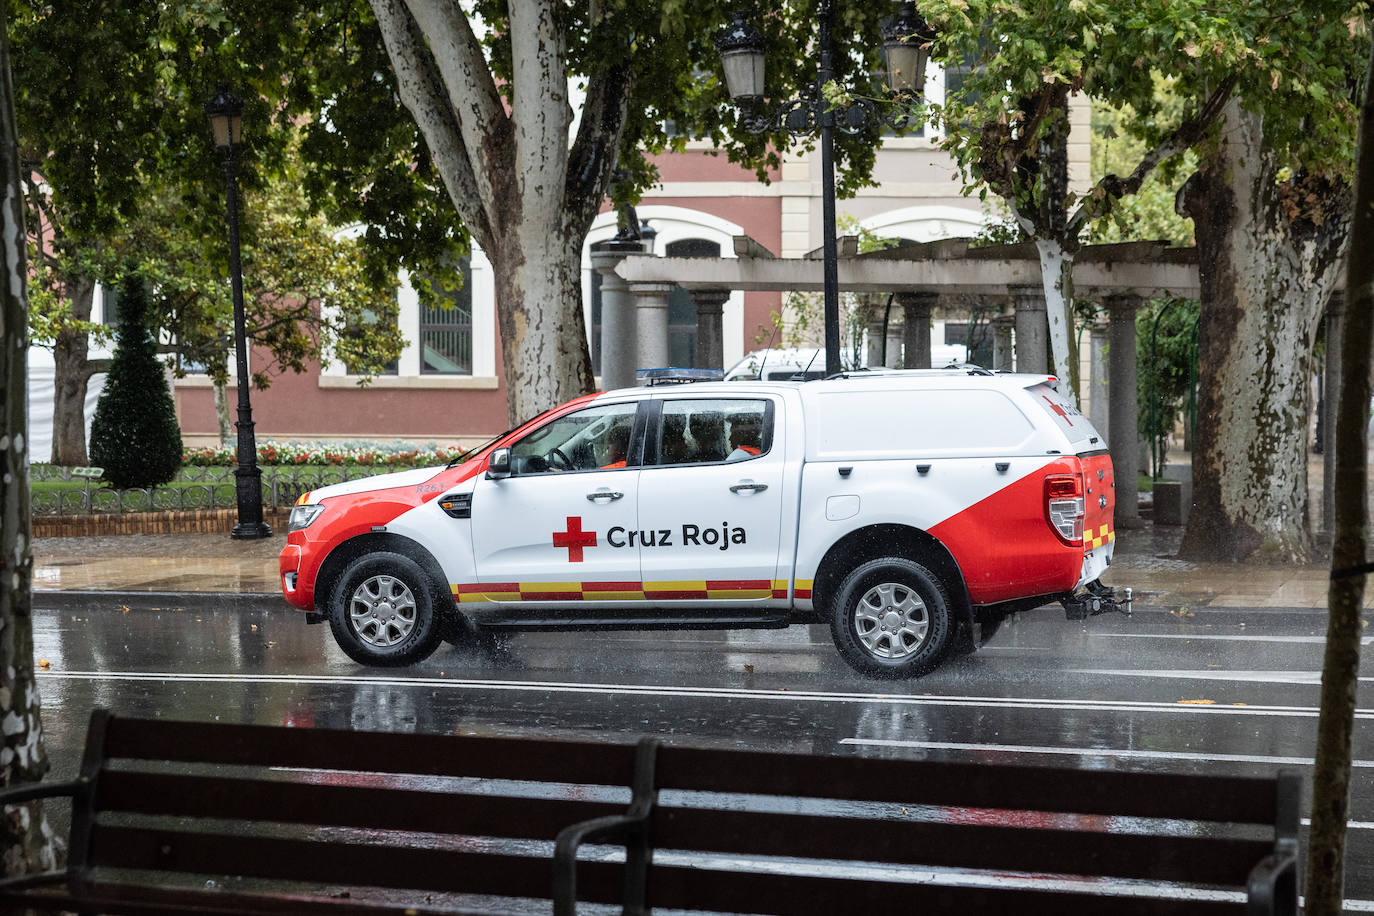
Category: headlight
[302,516]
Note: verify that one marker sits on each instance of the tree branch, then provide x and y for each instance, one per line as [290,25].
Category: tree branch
[421,92]
[593,154]
[1111,188]
[540,111]
[467,79]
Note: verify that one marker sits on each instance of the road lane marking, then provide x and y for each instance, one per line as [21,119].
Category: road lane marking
[1125,753]
[1228,637]
[1264,677]
[650,690]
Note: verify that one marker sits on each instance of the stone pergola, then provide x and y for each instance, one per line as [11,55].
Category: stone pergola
[1122,277]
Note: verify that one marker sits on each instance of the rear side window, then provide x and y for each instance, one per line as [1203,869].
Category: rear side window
[714,431]
[1066,417]
[892,424]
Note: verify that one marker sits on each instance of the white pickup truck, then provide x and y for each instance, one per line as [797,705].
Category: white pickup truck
[911,511]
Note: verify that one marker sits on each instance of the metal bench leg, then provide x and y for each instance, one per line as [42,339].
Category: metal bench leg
[630,829]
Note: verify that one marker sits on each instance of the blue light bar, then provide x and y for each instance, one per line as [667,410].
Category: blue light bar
[673,375]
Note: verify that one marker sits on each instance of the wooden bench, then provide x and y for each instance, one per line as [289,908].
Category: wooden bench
[217,818]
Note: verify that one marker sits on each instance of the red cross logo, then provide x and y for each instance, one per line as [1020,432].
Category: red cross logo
[1059,410]
[574,539]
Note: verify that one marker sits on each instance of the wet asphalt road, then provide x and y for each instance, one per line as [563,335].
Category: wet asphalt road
[1232,691]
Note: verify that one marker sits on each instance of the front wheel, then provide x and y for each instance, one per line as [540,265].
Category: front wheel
[891,619]
[382,611]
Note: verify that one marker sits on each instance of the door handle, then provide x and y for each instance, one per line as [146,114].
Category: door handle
[604,494]
[755,487]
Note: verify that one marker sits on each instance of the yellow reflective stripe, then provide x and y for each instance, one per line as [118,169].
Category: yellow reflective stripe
[550,586]
[740,593]
[698,586]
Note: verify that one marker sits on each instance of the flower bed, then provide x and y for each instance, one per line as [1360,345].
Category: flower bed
[288,454]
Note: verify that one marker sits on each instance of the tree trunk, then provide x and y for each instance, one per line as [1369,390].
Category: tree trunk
[71,378]
[224,414]
[1056,274]
[28,843]
[1268,258]
[524,192]
[544,345]
[1341,666]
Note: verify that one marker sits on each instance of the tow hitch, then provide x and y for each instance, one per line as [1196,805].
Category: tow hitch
[1095,599]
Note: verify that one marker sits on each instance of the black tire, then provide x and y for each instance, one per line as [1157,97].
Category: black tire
[382,611]
[904,628]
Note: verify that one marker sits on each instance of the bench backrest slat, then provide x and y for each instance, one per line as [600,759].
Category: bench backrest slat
[1201,860]
[804,895]
[364,807]
[1239,800]
[377,752]
[443,870]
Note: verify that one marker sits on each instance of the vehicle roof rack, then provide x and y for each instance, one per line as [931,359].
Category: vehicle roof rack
[674,375]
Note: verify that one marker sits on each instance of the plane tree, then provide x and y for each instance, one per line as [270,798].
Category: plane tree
[118,167]
[527,107]
[1266,101]
[28,844]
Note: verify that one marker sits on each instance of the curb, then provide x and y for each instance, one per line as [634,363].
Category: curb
[86,600]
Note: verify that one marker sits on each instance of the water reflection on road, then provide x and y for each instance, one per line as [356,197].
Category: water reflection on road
[1229,691]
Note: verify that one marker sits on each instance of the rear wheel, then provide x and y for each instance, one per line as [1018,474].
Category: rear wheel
[382,611]
[891,619]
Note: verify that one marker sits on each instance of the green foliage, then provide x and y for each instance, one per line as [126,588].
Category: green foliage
[122,169]
[1149,214]
[1166,360]
[1296,65]
[135,436]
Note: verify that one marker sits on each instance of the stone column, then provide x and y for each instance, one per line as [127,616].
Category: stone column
[651,324]
[1122,407]
[1001,344]
[1032,329]
[873,343]
[617,318]
[916,335]
[1098,389]
[710,349]
[1331,386]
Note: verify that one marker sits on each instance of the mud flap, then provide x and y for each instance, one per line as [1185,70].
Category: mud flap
[1095,599]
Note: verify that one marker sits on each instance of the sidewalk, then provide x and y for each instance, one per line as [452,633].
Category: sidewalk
[214,563]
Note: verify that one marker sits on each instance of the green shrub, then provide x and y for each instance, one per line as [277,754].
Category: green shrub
[135,436]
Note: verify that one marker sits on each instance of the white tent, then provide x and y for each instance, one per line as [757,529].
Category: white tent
[41,392]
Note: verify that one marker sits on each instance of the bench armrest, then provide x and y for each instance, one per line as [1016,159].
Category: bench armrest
[1272,889]
[630,829]
[32,791]
[17,795]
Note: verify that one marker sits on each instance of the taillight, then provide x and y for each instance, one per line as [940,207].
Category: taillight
[1064,506]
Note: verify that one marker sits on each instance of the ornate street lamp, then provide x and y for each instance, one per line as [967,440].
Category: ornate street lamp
[226,119]
[742,50]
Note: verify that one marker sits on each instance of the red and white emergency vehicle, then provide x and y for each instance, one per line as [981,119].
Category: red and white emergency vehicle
[912,511]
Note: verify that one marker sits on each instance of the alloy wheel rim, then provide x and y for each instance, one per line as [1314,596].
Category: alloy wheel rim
[891,621]
[382,611]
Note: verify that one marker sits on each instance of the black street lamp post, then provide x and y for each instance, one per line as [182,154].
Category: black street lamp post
[905,51]
[226,118]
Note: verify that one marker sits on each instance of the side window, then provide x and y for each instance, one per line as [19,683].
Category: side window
[714,431]
[597,438]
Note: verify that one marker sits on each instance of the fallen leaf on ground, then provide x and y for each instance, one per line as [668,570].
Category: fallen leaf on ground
[44,664]
[1199,702]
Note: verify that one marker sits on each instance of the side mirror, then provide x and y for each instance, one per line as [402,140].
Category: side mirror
[498,465]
